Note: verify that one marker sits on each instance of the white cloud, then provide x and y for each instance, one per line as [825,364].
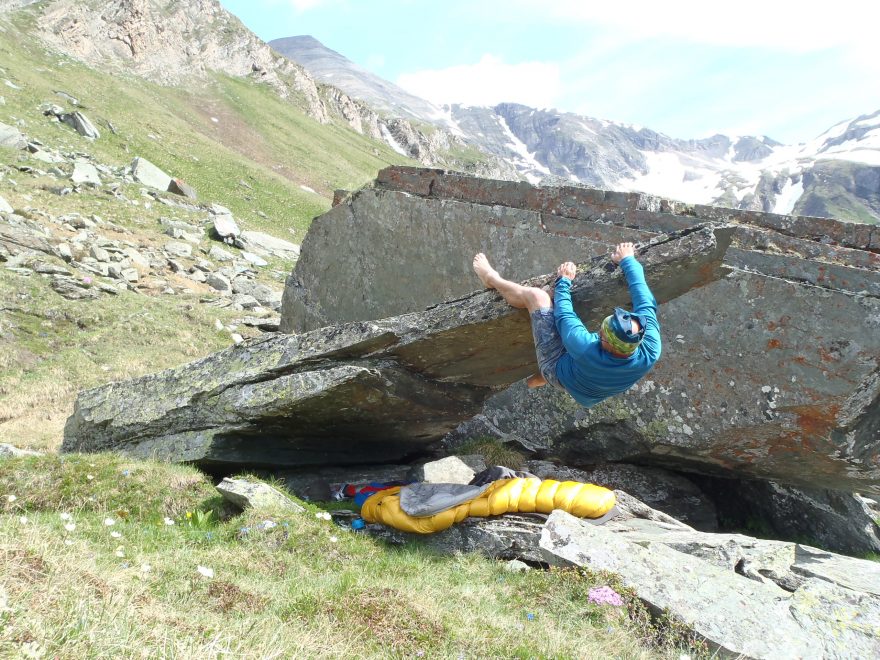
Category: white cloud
[488,82]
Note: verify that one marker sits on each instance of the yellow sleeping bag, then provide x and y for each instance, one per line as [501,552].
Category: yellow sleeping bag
[503,496]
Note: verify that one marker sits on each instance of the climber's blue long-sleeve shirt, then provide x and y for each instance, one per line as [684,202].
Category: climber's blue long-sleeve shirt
[588,372]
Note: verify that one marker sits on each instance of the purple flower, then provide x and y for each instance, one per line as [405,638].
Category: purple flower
[605,596]
[87,280]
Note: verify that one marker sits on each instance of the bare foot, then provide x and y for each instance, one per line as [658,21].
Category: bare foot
[535,380]
[484,271]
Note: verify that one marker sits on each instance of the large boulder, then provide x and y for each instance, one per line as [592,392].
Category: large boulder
[772,372]
[357,392]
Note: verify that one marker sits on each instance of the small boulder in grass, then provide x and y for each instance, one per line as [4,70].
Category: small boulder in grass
[249,494]
[179,187]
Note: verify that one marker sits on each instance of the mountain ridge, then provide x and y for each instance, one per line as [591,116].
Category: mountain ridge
[550,146]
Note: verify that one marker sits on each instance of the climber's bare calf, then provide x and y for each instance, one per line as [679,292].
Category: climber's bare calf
[516,295]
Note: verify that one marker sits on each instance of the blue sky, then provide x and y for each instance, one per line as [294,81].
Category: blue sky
[682,67]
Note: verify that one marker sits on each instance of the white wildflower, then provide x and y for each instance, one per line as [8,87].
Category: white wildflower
[90,477]
[168,521]
[115,535]
[333,539]
[267,524]
[64,516]
[11,498]
[32,650]
[68,542]
[204,571]
[23,520]
[120,551]
[109,522]
[70,526]
[146,568]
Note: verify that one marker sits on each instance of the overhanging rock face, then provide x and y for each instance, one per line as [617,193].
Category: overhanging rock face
[358,392]
[772,371]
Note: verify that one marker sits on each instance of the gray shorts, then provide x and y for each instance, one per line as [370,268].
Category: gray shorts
[548,344]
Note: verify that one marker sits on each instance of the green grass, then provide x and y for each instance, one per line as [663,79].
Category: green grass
[304,587]
[50,348]
[494,451]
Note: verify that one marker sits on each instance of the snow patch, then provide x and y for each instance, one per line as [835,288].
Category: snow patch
[668,177]
[789,196]
[386,135]
[518,146]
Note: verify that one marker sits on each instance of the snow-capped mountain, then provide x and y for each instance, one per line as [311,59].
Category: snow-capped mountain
[836,174]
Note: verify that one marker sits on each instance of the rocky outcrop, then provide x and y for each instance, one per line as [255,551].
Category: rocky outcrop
[169,41]
[771,372]
[358,392]
[744,596]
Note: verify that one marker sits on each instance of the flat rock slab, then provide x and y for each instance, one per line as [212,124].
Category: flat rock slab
[255,495]
[357,392]
[148,174]
[823,611]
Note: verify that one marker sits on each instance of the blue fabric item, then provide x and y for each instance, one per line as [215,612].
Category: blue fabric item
[621,325]
[588,372]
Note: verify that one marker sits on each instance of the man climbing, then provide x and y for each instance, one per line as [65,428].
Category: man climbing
[589,366]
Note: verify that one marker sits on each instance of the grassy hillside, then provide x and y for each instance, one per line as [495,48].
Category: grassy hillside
[234,140]
[842,189]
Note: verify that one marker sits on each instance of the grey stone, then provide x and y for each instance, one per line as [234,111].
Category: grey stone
[85,173]
[130,274]
[11,451]
[218,282]
[81,125]
[143,171]
[48,268]
[761,599]
[197,275]
[369,391]
[179,187]
[225,226]
[137,258]
[99,253]
[256,495]
[50,158]
[449,470]
[63,250]
[511,536]
[265,244]
[17,237]
[219,254]
[254,260]
[265,294]
[73,289]
[5,207]
[245,301]
[178,249]
[12,137]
